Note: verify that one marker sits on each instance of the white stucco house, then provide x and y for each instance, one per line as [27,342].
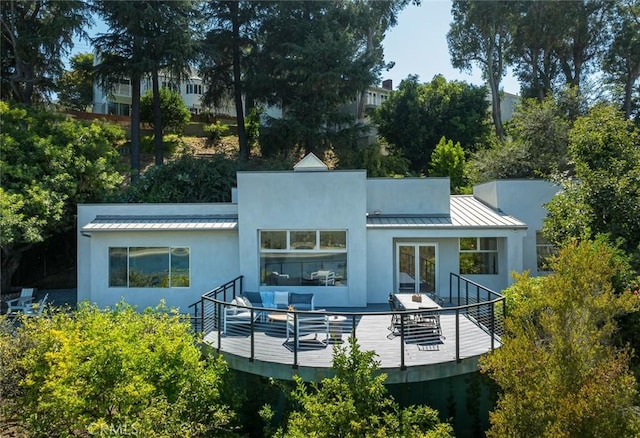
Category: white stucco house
[348,239]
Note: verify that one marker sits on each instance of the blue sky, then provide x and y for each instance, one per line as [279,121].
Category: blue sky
[418,45]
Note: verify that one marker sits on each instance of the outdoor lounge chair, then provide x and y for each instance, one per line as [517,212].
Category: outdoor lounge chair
[307,324]
[36,309]
[25,299]
[325,278]
[235,315]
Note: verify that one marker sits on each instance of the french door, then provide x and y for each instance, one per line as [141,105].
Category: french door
[416,267]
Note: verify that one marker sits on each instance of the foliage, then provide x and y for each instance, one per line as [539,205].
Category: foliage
[557,43]
[416,116]
[187,179]
[174,113]
[355,403]
[536,143]
[448,160]
[49,164]
[378,161]
[215,132]
[311,63]
[252,127]
[558,370]
[605,193]
[35,37]
[227,59]
[96,371]
[481,34]
[622,60]
[172,144]
[75,87]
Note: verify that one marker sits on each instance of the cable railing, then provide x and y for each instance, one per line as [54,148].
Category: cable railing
[469,325]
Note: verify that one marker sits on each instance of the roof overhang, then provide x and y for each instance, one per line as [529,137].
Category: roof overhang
[162,223]
[466,212]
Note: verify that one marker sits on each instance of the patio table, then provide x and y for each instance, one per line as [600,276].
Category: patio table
[407,303]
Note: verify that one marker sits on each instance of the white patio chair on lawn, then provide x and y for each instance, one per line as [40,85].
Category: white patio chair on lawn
[25,299]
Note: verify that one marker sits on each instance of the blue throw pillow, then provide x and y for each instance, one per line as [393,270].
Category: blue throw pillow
[254,297]
[267,299]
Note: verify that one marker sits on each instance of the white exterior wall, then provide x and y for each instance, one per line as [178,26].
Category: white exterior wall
[325,200]
[408,196]
[213,254]
[381,259]
[524,199]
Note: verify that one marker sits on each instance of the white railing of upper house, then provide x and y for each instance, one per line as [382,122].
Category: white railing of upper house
[469,303]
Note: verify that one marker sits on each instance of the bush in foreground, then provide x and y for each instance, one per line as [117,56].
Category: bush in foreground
[113,372]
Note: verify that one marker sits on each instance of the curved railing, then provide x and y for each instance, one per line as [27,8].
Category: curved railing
[471,324]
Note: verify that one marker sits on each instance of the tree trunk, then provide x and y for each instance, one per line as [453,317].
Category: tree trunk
[157,118]
[493,78]
[628,90]
[9,266]
[237,84]
[135,127]
[363,95]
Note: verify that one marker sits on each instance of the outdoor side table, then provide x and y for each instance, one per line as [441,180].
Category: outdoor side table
[335,327]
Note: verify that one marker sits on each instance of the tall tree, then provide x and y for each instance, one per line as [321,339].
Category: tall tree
[559,372]
[373,19]
[121,57]
[311,64]
[49,164]
[605,193]
[75,87]
[36,34]
[170,47]
[416,116]
[622,60]
[557,43]
[227,49]
[481,34]
[533,52]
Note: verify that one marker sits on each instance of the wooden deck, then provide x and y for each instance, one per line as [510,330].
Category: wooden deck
[271,347]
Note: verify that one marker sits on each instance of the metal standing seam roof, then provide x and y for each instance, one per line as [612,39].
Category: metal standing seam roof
[466,211]
[162,223]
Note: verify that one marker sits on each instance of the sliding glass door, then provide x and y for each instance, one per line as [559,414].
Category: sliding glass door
[416,267]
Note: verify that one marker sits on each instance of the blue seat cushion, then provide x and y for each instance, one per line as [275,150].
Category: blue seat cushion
[301,301]
[255,298]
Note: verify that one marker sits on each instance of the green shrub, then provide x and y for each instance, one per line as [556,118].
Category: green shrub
[111,372]
[215,132]
[171,142]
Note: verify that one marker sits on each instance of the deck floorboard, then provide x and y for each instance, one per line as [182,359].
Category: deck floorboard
[270,343]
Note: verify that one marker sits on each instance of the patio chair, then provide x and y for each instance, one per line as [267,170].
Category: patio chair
[307,324]
[396,322]
[25,299]
[36,309]
[235,315]
[326,278]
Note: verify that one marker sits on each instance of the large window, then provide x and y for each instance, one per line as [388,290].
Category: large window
[544,250]
[303,257]
[478,255]
[148,267]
